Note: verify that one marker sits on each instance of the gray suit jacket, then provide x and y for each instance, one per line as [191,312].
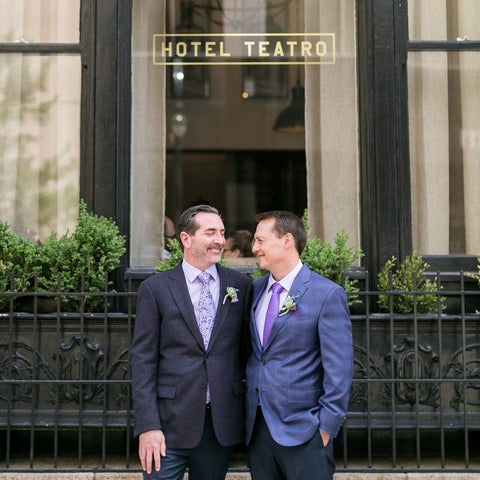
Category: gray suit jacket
[171,368]
[303,375]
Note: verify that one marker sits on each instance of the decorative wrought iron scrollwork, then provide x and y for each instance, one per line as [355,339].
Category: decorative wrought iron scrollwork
[465,364]
[81,360]
[20,361]
[364,368]
[120,370]
[411,364]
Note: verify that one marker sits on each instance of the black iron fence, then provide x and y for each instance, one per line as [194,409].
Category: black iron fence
[65,400]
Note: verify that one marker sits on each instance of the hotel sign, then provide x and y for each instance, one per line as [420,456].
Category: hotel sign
[244,49]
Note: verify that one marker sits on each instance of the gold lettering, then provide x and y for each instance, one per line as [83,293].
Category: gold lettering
[196,48]
[222,51]
[292,44]
[321,51]
[209,49]
[278,52]
[262,49]
[306,49]
[289,47]
[249,45]
[167,50]
[181,50]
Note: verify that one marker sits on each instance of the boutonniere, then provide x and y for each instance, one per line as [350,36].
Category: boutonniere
[231,294]
[288,306]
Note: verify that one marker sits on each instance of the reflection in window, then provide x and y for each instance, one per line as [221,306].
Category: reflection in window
[40,21]
[216,142]
[39,142]
[444,118]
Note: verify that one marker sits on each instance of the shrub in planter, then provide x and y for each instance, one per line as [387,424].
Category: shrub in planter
[83,258]
[332,260]
[409,277]
[18,260]
[75,262]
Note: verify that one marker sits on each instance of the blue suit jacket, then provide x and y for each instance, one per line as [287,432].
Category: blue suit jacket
[302,377]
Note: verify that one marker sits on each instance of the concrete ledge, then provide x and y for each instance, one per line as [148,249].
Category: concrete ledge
[238,476]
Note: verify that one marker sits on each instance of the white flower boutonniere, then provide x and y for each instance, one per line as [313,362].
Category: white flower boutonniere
[231,294]
[289,305]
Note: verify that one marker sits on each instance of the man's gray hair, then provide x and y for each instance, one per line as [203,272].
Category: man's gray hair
[187,222]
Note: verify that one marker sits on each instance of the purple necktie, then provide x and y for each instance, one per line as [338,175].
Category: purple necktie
[272,311]
[206,308]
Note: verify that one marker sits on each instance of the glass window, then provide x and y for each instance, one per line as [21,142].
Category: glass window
[39,142]
[239,106]
[444,115]
[40,21]
[444,100]
[436,20]
[39,116]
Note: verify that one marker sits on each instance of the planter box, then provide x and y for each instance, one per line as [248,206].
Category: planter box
[65,370]
[71,370]
[416,372]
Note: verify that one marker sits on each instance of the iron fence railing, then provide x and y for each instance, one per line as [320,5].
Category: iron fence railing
[65,401]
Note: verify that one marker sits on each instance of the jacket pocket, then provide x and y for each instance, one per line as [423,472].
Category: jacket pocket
[166,391]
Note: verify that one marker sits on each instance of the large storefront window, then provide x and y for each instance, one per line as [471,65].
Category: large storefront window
[39,116]
[444,109]
[271,125]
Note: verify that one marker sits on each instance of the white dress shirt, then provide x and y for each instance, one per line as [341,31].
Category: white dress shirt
[286,282]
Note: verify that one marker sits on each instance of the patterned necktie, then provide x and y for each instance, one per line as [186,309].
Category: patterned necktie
[272,310]
[206,309]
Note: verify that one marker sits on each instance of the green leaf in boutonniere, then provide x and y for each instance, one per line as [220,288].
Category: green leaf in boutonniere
[231,294]
[288,306]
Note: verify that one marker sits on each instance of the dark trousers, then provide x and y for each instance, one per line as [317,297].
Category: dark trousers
[270,461]
[207,461]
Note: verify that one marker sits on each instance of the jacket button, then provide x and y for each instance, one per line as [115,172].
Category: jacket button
[263,362]
[203,384]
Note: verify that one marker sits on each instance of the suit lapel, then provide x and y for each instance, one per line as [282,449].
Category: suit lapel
[298,289]
[178,287]
[222,308]
[258,289]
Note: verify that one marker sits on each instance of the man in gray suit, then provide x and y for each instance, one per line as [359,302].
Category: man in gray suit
[301,367]
[188,357]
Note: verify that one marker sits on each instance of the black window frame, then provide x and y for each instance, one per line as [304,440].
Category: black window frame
[105,37]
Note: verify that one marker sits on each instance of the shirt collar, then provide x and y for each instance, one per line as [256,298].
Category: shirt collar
[287,281]
[191,272]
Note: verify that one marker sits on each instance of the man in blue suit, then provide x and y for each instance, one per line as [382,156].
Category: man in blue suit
[300,371]
[188,357]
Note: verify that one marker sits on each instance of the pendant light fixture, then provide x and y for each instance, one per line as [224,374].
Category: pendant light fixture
[292,118]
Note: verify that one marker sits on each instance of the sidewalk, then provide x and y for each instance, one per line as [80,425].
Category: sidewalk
[239,476]
[45,469]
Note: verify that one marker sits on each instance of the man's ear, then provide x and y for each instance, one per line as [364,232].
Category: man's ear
[288,241]
[185,239]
